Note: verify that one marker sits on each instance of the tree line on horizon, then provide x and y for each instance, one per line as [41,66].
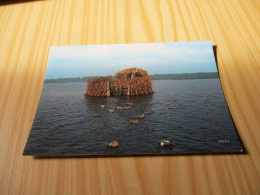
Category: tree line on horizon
[179,76]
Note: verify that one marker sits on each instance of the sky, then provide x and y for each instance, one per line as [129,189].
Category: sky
[156,58]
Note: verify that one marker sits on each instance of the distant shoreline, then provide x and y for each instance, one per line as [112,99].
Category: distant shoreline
[181,76]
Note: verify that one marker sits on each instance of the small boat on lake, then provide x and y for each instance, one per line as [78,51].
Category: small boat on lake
[111,110]
[127,107]
[119,107]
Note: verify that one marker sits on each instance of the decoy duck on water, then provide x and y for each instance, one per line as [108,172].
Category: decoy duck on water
[119,107]
[140,116]
[173,107]
[113,144]
[165,142]
[134,121]
[127,108]
[102,106]
[97,115]
[149,112]
[110,110]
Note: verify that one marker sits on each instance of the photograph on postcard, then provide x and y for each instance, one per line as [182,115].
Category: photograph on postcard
[132,99]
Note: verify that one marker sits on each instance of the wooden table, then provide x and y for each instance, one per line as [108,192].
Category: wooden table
[28,29]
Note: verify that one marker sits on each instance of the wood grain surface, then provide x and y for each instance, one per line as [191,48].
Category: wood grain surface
[29,28]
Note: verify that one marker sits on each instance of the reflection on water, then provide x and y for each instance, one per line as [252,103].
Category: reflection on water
[64,122]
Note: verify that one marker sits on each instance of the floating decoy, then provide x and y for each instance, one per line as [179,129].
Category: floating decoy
[149,112]
[127,108]
[173,107]
[119,107]
[102,106]
[97,115]
[110,110]
[134,121]
[141,116]
[165,142]
[113,144]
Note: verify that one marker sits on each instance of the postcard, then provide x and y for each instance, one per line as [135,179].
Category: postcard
[132,99]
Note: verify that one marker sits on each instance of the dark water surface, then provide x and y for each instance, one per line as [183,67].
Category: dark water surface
[64,124]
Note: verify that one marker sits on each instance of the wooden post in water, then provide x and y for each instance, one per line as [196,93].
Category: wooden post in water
[108,89]
[128,90]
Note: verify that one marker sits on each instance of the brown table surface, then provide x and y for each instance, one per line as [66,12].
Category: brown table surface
[29,28]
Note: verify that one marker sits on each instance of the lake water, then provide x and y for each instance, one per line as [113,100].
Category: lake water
[64,124]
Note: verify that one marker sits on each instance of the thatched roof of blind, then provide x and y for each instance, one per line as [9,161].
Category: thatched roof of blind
[130,71]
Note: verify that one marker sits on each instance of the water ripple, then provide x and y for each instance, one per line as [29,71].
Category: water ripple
[64,123]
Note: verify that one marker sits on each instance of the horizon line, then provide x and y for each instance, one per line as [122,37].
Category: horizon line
[113,75]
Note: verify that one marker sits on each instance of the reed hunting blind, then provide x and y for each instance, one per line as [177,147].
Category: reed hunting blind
[128,82]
